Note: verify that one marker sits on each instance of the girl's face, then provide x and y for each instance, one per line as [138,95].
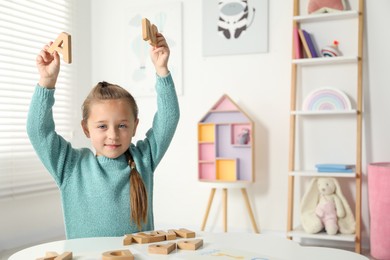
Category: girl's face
[110,126]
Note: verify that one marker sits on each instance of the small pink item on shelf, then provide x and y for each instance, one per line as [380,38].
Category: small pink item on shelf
[326,6]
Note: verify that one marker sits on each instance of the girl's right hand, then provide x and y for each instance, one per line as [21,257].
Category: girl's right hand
[48,66]
[160,55]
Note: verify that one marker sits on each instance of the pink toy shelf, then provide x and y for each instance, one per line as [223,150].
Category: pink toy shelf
[225,144]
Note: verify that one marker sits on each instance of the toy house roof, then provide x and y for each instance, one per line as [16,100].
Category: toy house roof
[225,104]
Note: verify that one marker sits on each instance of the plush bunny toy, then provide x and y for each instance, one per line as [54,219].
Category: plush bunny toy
[329,207]
[324,206]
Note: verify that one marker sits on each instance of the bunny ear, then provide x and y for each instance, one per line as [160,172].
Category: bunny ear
[338,189]
[309,220]
[310,198]
[339,192]
[347,224]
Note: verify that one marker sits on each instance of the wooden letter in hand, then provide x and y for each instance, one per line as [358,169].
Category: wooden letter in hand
[149,32]
[63,45]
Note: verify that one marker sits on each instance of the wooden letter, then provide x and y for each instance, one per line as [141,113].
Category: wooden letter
[190,244]
[55,256]
[142,238]
[118,255]
[149,32]
[170,235]
[162,249]
[63,45]
[184,233]
[145,29]
[65,256]
[127,240]
[153,35]
[51,254]
[46,258]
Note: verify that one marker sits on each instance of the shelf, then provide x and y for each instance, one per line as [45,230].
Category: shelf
[242,145]
[206,152]
[322,174]
[326,16]
[326,60]
[312,75]
[241,134]
[206,133]
[226,169]
[324,112]
[300,233]
[206,171]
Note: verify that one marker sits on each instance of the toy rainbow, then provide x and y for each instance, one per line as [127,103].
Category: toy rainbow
[326,99]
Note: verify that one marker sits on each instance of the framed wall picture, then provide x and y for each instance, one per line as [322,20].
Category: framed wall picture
[139,69]
[235,27]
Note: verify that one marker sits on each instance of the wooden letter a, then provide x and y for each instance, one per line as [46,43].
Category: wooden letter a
[63,45]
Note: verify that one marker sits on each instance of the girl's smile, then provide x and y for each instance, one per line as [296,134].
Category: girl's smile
[112,146]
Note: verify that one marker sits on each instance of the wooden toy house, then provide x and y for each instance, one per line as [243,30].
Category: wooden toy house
[226,141]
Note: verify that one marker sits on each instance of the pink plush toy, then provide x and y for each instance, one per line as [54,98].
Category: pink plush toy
[243,137]
[326,6]
[324,206]
[329,207]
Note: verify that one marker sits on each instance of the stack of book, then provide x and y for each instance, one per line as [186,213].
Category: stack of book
[329,167]
[304,44]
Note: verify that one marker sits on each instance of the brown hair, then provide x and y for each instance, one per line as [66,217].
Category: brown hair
[106,91]
[138,194]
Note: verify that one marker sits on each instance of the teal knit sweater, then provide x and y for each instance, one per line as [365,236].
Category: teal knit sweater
[95,190]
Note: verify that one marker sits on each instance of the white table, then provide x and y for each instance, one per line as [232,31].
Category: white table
[216,246]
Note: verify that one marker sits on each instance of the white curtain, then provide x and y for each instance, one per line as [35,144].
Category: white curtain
[25,27]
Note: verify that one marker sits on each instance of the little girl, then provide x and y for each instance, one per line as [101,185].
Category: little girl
[109,192]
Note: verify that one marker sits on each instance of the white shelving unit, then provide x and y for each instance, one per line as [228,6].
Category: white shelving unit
[300,233]
[326,16]
[324,27]
[322,61]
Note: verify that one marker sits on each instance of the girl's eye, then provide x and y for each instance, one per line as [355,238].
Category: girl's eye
[122,126]
[101,126]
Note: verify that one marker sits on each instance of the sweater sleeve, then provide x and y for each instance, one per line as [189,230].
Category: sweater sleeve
[165,121]
[52,149]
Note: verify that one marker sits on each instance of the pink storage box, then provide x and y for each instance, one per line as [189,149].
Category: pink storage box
[379,205]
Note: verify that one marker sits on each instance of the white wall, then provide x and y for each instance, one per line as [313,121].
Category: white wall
[259,83]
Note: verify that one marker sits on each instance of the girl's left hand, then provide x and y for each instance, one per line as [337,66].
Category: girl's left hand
[160,55]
